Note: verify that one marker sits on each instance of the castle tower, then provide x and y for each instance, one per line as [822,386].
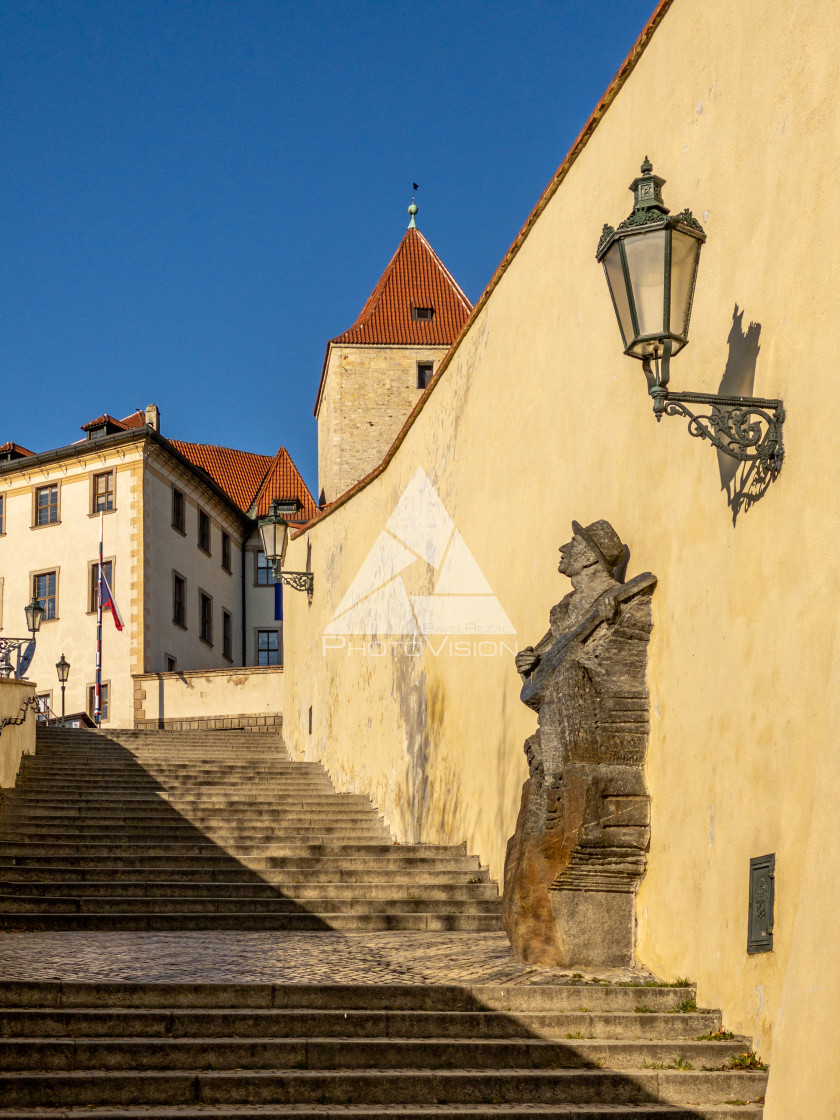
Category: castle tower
[375,371]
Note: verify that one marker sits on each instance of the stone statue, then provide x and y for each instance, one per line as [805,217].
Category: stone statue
[578,854]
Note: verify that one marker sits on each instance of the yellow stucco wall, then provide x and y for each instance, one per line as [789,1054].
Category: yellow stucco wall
[538,419]
[69,547]
[16,740]
[214,693]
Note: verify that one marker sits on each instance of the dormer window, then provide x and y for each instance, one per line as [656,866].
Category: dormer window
[10,451]
[422,314]
[103,426]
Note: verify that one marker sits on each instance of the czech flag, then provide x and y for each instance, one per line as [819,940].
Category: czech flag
[107,602]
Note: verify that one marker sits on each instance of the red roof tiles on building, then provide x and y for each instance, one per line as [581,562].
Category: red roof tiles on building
[101,421]
[17,451]
[283,481]
[416,277]
[135,420]
[239,473]
[251,480]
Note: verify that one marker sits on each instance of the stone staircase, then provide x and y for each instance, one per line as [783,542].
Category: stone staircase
[214,830]
[368,1052]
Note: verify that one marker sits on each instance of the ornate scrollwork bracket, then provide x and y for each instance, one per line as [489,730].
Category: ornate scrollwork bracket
[748,429]
[745,428]
[300,581]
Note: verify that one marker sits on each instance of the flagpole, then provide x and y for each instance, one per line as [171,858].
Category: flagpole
[97,711]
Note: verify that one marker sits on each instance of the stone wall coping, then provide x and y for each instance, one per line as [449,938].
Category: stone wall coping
[191,674]
[26,685]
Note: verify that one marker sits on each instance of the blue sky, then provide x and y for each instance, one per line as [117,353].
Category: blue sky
[197,194]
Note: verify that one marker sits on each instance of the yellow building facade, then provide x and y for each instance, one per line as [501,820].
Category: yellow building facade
[536,418]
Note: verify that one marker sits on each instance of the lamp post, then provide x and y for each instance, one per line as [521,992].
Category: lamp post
[650,262]
[274,534]
[63,669]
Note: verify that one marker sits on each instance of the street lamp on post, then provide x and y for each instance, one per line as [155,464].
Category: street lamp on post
[651,262]
[63,669]
[274,534]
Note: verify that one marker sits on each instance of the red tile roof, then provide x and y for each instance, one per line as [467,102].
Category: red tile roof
[415,276]
[135,420]
[101,420]
[239,473]
[283,481]
[20,452]
[252,481]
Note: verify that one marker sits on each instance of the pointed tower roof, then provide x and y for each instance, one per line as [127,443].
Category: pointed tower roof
[415,278]
[284,481]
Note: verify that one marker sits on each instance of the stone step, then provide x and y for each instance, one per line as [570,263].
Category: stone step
[185,831]
[431,998]
[303,920]
[304,884]
[300,849]
[195,843]
[128,762]
[388,857]
[221,902]
[735,1111]
[195,786]
[353,1087]
[309,1053]
[161,801]
[223,867]
[277,823]
[557,1025]
[248,887]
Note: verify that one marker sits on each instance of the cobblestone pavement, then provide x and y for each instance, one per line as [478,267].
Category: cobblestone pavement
[282,958]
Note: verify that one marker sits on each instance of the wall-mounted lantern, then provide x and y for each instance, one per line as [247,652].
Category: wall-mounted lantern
[274,533]
[34,616]
[650,263]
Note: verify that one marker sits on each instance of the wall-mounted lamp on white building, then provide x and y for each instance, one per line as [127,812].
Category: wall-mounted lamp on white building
[650,263]
[34,616]
[274,533]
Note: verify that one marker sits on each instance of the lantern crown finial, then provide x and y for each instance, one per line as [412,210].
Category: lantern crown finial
[647,193]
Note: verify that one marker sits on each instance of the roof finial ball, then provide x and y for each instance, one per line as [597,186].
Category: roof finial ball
[412,211]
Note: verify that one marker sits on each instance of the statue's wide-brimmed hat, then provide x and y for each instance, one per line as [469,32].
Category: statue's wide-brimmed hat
[604,542]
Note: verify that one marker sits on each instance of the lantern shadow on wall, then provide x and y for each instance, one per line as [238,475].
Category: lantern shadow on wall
[745,483]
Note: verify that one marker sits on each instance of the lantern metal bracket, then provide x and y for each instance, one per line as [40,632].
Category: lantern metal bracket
[745,428]
[300,581]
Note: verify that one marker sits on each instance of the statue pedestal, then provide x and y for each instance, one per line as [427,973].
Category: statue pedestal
[595,929]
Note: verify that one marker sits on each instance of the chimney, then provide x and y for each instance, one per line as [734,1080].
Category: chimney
[153,416]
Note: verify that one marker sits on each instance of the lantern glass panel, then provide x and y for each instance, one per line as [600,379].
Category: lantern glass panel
[273,534]
[618,290]
[646,264]
[685,250]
